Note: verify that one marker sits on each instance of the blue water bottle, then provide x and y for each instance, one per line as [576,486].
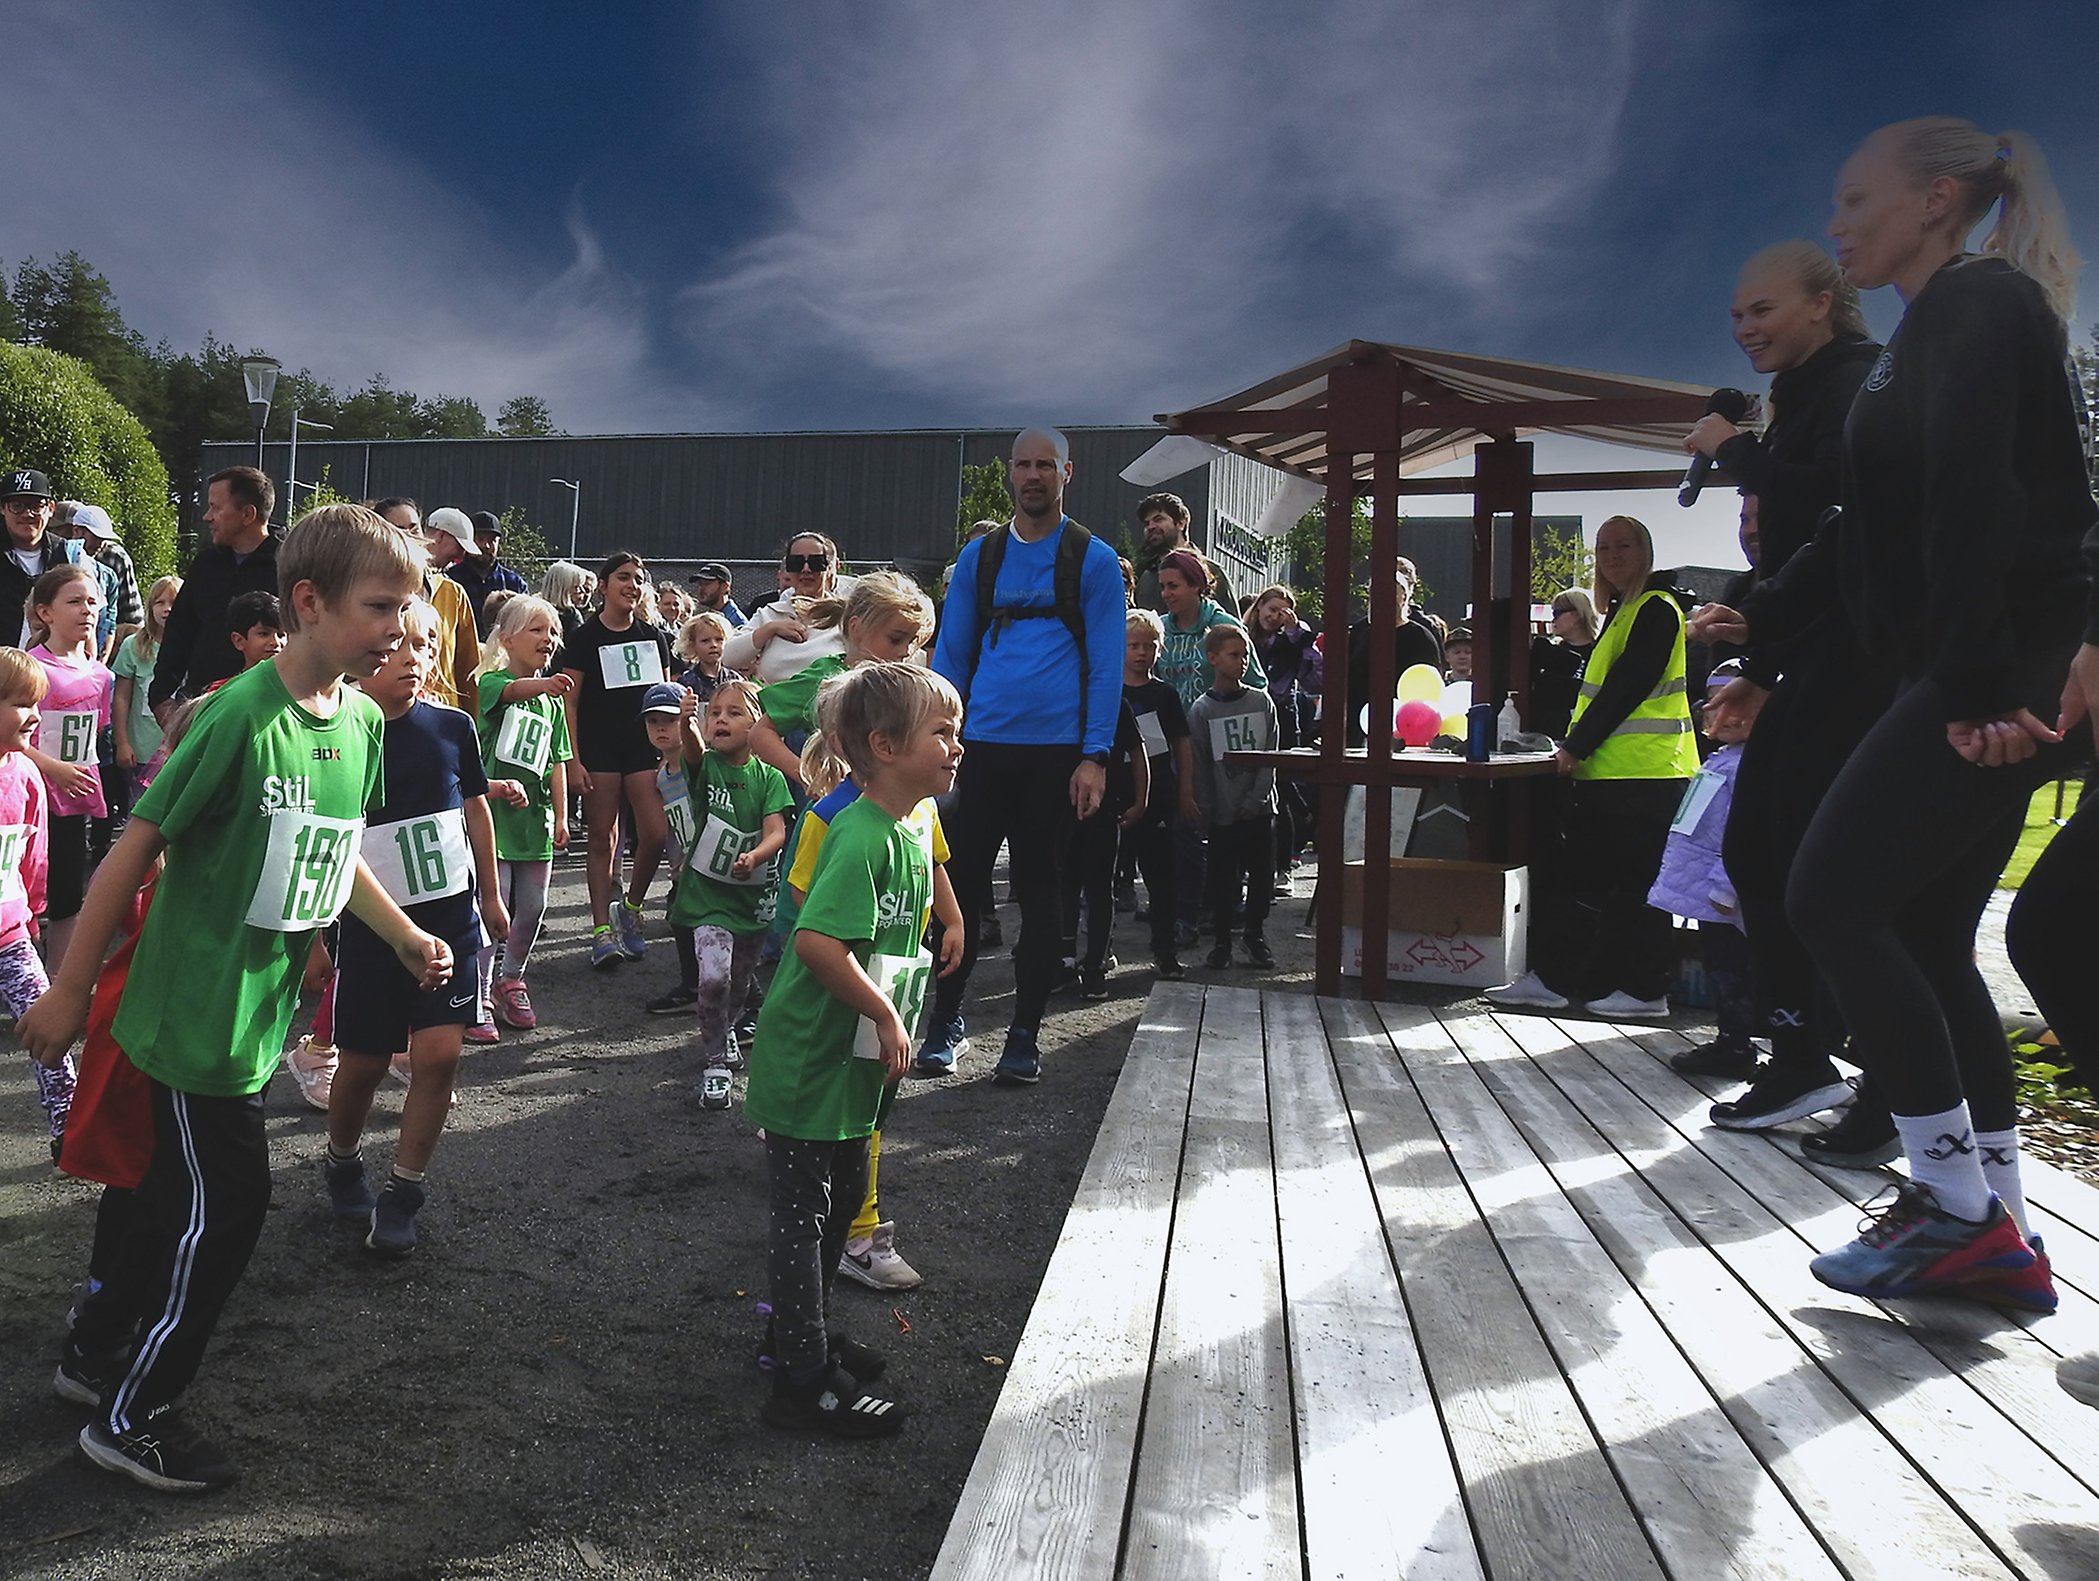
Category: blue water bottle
[1479,732]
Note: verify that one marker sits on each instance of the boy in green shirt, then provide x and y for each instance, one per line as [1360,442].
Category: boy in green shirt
[259,811]
[833,1038]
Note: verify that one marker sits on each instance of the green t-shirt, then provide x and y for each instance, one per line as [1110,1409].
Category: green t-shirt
[522,741]
[791,704]
[729,808]
[262,806]
[816,1073]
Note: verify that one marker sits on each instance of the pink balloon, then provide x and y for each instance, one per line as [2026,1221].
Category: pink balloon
[1416,723]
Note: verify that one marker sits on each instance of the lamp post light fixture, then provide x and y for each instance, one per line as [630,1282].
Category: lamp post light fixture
[575,509]
[291,482]
[260,376]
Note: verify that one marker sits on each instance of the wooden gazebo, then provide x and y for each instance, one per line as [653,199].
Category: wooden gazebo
[1362,421]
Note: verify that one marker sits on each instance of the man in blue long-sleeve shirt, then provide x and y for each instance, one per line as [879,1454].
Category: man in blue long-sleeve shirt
[1038,724]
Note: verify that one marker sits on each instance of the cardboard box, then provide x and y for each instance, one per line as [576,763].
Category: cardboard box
[1464,923]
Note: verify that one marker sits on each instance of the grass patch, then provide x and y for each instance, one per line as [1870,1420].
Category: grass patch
[2039,830]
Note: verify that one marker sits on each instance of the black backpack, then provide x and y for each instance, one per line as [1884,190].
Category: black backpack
[992,618]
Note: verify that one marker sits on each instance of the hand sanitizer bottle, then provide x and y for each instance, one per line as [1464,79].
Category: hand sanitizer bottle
[1508,726]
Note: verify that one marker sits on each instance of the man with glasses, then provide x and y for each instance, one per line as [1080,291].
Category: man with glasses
[241,558]
[479,573]
[31,548]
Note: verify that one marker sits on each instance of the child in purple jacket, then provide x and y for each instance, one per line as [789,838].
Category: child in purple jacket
[1693,881]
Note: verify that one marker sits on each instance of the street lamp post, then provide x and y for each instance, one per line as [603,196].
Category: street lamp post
[291,482]
[575,508]
[260,376]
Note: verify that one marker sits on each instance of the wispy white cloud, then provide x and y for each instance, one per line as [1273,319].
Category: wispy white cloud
[1088,206]
[226,191]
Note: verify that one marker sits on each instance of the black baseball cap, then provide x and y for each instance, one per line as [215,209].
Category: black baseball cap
[711,571]
[26,482]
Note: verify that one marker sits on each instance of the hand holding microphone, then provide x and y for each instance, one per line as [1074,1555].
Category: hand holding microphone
[1732,406]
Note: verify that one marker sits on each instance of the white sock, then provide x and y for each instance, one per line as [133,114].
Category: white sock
[1999,1152]
[1941,1152]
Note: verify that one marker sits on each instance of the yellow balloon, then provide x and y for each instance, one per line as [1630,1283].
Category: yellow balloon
[1421,684]
[1454,725]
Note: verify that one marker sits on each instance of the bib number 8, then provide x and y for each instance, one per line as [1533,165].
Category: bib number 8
[631,656]
[422,858]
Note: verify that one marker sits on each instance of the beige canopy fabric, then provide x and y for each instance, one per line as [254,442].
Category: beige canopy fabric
[1513,399]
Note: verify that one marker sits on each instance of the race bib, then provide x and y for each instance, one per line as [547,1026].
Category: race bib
[902,979]
[718,847]
[307,869]
[14,851]
[526,739]
[1237,733]
[1154,734]
[420,859]
[678,812]
[630,664]
[70,733]
[1698,796]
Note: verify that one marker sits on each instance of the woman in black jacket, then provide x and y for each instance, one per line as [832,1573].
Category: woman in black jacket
[1958,562]
[1797,318]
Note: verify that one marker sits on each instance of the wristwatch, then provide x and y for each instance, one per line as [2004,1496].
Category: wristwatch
[1094,757]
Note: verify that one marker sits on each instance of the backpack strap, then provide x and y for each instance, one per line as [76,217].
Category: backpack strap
[1065,602]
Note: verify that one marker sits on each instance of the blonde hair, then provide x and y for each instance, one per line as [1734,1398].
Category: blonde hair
[1601,593]
[746,690]
[337,546]
[1818,275]
[824,768]
[1584,607]
[419,620]
[511,619]
[45,593]
[145,642]
[564,583]
[889,698]
[879,595]
[705,620]
[22,679]
[1149,621]
[2032,232]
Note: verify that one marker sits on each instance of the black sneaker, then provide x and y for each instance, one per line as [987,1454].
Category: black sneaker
[1258,952]
[349,1198]
[1728,1061]
[393,1218]
[1775,1098]
[1093,983]
[1168,968]
[1864,1138]
[673,1002]
[85,1379]
[865,1363]
[1220,958]
[835,1404]
[163,1453]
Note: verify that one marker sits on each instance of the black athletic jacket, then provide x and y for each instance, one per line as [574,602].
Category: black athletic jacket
[1965,496]
[196,651]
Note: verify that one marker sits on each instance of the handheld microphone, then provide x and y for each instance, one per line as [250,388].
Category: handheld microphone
[1730,404]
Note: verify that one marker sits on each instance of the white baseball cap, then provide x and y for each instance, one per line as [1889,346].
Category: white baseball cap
[452,522]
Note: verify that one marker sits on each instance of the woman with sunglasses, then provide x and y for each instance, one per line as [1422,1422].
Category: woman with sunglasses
[1557,661]
[776,642]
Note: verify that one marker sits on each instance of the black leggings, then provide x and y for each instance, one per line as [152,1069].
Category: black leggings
[2049,936]
[1808,728]
[1597,932]
[1089,877]
[1887,890]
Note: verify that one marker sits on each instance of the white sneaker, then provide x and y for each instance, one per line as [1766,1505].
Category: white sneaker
[1622,1006]
[872,1260]
[401,1069]
[1529,991]
[312,1066]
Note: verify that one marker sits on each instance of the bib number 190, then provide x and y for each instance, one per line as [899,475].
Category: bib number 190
[306,873]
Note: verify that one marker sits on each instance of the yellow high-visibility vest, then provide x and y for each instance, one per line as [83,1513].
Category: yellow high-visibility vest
[1654,742]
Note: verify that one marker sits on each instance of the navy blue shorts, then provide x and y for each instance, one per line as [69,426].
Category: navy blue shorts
[378,1006]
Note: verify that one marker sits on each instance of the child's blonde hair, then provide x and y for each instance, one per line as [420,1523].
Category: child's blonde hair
[879,595]
[145,642]
[45,593]
[1146,619]
[739,688]
[22,679]
[824,768]
[515,615]
[890,698]
[706,620]
[337,546]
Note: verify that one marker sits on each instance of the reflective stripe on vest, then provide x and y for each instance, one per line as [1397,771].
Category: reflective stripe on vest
[1654,741]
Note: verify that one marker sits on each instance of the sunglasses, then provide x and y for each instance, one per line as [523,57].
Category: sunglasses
[1563,609]
[805,562]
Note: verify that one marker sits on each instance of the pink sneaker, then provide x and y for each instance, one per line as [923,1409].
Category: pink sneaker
[312,1066]
[482,1032]
[514,1005]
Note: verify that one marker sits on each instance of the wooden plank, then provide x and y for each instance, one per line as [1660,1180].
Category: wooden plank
[1709,1505]
[1878,1513]
[2028,1507]
[1215,1490]
[1362,1399]
[1542,1497]
[1049,1487]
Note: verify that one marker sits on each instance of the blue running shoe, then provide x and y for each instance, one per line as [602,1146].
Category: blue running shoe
[348,1195]
[1021,1064]
[1914,1247]
[626,921]
[604,948]
[944,1046]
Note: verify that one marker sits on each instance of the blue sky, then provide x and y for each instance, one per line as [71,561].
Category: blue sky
[906,213]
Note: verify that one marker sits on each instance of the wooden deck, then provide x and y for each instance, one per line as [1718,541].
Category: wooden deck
[1361,1290]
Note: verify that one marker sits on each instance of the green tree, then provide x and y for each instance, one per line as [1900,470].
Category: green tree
[525,547]
[1305,546]
[10,323]
[525,417]
[1559,560]
[985,497]
[55,417]
[450,417]
[68,306]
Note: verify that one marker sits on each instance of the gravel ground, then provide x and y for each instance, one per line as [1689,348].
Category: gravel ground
[560,1381]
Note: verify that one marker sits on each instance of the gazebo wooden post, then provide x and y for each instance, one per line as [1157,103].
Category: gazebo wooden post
[1513,468]
[1484,503]
[1333,730]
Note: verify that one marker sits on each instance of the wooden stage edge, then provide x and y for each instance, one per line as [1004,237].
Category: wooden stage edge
[1374,1290]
